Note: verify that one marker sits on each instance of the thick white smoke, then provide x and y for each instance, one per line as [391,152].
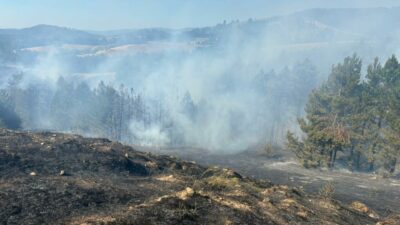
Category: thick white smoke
[210,91]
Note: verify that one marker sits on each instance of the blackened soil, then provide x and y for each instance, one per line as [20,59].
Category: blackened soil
[49,178]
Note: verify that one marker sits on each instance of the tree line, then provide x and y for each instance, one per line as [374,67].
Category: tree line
[123,114]
[352,120]
[103,111]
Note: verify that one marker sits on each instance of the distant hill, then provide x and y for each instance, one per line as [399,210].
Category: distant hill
[50,35]
[375,22]
[323,36]
[314,25]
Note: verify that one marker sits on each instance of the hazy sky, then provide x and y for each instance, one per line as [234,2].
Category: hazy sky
[119,14]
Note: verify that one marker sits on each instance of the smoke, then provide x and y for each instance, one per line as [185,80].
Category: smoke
[47,68]
[211,90]
[149,136]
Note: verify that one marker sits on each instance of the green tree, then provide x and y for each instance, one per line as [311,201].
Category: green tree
[358,117]
[327,125]
[391,127]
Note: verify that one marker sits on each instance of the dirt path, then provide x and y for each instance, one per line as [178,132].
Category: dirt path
[383,195]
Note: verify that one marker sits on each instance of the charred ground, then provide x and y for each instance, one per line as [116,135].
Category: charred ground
[105,182]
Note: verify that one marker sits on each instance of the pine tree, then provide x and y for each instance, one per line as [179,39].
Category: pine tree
[327,125]
[359,118]
[391,128]
[373,111]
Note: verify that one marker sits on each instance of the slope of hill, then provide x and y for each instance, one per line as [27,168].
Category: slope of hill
[49,178]
[369,22]
[314,25]
[50,35]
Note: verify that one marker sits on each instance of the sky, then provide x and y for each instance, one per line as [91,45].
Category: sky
[124,14]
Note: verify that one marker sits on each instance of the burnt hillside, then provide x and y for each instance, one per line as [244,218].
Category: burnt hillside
[48,178]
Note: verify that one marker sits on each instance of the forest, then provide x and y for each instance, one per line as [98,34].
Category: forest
[350,120]
[124,114]
[353,120]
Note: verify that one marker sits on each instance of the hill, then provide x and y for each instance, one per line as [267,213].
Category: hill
[49,35]
[321,35]
[52,178]
[307,26]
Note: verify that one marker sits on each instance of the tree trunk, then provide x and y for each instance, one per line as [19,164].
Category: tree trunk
[371,166]
[358,156]
[351,159]
[393,166]
[332,158]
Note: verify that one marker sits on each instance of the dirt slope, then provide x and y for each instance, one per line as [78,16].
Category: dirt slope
[380,194]
[48,178]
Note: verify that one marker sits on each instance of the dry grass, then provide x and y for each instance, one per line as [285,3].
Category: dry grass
[231,203]
[327,191]
[167,178]
[93,219]
[220,183]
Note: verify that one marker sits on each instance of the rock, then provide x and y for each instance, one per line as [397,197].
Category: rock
[373,215]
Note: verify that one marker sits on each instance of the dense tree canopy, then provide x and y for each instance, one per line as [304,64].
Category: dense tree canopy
[353,119]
